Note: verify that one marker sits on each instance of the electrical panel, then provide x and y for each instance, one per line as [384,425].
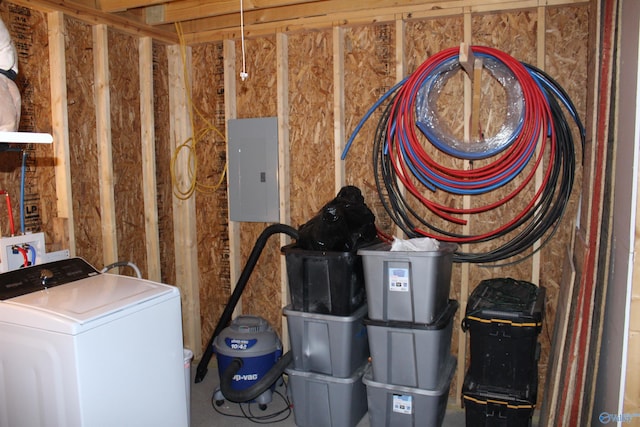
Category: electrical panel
[253,170]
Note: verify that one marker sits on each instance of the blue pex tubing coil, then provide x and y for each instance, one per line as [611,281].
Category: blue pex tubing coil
[536,136]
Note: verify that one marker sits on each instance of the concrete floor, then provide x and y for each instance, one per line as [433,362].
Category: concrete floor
[205,414]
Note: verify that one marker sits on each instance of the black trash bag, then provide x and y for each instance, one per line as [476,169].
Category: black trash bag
[344,224]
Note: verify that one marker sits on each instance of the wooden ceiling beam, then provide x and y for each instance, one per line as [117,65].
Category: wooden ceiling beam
[288,14]
[122,5]
[93,16]
[205,20]
[187,10]
[261,22]
[278,14]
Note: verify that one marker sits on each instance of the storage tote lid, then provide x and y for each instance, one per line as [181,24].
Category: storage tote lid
[443,320]
[441,389]
[384,250]
[293,250]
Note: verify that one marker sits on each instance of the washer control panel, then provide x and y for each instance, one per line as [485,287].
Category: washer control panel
[42,276]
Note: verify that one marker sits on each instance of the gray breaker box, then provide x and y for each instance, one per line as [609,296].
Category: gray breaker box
[399,406]
[407,286]
[326,401]
[328,344]
[411,354]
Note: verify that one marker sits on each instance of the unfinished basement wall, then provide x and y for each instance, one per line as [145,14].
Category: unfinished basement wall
[259,99]
[164,185]
[83,151]
[373,54]
[369,72]
[126,146]
[211,200]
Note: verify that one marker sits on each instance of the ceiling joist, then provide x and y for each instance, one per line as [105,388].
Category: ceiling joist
[207,20]
[91,15]
[186,10]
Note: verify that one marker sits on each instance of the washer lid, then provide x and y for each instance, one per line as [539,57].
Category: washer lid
[82,304]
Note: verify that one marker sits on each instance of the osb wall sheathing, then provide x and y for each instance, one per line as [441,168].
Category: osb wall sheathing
[29,32]
[126,145]
[211,201]
[310,123]
[83,151]
[164,186]
[369,72]
[257,97]
[126,148]
[566,60]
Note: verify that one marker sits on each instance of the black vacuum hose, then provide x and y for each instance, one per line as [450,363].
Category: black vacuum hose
[258,387]
[201,371]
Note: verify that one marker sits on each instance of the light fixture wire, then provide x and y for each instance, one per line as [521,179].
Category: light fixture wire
[243,73]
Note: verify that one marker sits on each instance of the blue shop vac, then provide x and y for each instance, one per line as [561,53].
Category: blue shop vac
[248,351]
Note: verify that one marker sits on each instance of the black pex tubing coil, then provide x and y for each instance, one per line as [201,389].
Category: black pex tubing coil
[400,160]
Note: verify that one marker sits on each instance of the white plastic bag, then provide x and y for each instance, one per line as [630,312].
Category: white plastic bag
[10,100]
[415,245]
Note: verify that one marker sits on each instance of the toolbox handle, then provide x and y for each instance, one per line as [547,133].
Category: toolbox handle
[464,325]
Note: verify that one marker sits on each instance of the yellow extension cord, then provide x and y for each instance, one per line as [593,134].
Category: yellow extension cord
[191,143]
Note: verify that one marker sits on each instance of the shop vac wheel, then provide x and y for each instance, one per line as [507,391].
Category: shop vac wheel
[262,406]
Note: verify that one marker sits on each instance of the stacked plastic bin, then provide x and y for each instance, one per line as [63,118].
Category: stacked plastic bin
[327,336]
[409,323]
[504,318]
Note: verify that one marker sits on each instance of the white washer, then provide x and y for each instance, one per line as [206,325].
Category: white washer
[89,349]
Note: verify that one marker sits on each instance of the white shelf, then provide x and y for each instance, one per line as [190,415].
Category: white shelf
[26,137]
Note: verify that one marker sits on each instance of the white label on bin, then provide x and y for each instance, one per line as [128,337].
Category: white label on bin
[402,404]
[398,279]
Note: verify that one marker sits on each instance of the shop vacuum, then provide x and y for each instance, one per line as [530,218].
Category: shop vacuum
[248,351]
